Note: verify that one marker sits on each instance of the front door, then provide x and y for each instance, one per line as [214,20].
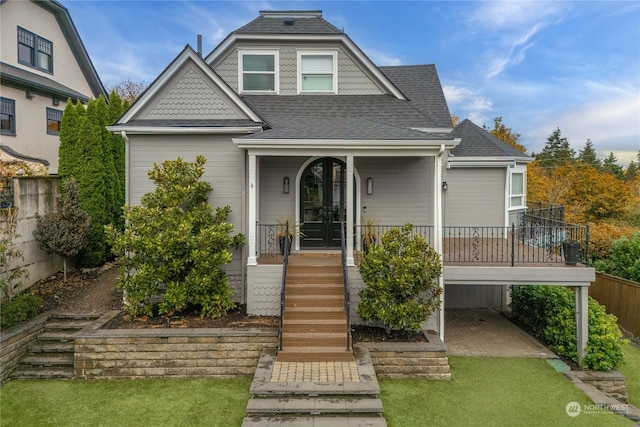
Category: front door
[322,207]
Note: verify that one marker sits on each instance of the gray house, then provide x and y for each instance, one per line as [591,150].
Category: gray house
[297,122]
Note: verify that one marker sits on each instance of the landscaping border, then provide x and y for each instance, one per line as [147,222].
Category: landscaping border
[15,342]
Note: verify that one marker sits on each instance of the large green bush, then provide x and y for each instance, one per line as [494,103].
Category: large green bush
[174,245]
[401,275]
[624,258]
[19,309]
[549,313]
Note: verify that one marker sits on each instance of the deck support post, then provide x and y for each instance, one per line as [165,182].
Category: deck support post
[582,319]
[252,259]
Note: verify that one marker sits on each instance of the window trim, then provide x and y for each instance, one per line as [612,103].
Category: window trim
[333,54]
[59,120]
[276,70]
[12,121]
[517,170]
[35,51]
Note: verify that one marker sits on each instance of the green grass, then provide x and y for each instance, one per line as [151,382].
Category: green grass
[157,402]
[490,392]
[631,369]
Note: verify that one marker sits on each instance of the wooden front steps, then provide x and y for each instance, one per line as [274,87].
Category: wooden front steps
[53,353]
[314,321]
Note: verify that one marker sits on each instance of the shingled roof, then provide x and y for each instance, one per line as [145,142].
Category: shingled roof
[353,117]
[420,83]
[289,22]
[477,142]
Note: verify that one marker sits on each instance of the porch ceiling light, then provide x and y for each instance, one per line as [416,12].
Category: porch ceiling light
[369,186]
[285,185]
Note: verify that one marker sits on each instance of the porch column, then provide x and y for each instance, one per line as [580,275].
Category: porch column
[350,207]
[437,228]
[252,258]
[582,319]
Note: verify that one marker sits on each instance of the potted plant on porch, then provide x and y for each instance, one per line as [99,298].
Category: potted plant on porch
[293,231]
[571,251]
[369,235]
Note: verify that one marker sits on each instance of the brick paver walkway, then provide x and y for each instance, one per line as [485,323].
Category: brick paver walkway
[315,372]
[485,332]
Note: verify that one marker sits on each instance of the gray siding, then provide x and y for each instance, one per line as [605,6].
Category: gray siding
[263,290]
[224,170]
[191,95]
[481,296]
[475,197]
[352,80]
[401,189]
[275,205]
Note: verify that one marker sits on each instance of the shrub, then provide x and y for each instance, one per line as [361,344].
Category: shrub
[549,313]
[174,245]
[624,259]
[19,309]
[400,273]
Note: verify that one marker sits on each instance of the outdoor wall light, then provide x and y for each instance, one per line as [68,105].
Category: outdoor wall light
[285,185]
[445,186]
[55,101]
[369,186]
[30,94]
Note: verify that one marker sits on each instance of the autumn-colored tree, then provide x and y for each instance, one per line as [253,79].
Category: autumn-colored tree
[455,120]
[127,89]
[505,134]
[556,151]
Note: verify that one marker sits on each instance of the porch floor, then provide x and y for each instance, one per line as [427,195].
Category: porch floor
[485,332]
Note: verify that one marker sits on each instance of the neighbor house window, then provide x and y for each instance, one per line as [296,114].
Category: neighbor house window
[8,116]
[258,71]
[517,189]
[54,117]
[35,51]
[317,72]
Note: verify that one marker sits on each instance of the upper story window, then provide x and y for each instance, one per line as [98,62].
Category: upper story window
[35,51]
[258,71]
[7,116]
[517,187]
[317,72]
[54,118]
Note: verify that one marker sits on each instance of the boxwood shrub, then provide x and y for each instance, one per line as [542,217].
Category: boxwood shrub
[19,309]
[548,312]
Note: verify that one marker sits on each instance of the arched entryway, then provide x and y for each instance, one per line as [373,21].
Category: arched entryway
[322,203]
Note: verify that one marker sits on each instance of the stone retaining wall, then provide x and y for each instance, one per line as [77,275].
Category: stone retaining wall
[611,383]
[177,353]
[15,342]
[410,360]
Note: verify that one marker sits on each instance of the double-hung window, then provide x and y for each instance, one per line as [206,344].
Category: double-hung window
[7,116]
[258,71]
[35,51]
[54,118]
[517,188]
[317,72]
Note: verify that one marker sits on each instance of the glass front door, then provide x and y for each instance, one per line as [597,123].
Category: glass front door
[322,203]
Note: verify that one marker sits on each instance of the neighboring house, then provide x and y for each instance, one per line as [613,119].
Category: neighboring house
[43,63]
[296,121]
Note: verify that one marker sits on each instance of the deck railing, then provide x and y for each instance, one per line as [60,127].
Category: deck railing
[345,273]
[370,234]
[285,264]
[270,242]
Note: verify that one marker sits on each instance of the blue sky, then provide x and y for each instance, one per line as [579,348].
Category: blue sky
[538,64]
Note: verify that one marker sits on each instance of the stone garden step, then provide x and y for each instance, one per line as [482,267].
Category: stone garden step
[48,360]
[22,373]
[314,405]
[53,347]
[298,421]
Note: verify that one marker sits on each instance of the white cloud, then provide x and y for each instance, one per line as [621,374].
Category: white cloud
[467,103]
[382,58]
[510,15]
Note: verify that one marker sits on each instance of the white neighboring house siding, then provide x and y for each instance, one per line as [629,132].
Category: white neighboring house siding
[351,79]
[31,132]
[224,170]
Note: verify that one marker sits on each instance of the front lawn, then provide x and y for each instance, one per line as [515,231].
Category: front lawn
[490,391]
[631,369]
[157,402]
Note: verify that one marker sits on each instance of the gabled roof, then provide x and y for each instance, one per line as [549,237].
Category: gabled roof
[420,83]
[289,22]
[348,117]
[477,142]
[23,79]
[75,43]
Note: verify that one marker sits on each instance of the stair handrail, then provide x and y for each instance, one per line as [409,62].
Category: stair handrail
[285,263]
[345,275]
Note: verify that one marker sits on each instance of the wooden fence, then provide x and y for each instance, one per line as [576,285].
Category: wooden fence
[621,297]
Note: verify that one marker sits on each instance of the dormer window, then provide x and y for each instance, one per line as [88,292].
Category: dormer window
[35,51]
[317,72]
[258,71]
